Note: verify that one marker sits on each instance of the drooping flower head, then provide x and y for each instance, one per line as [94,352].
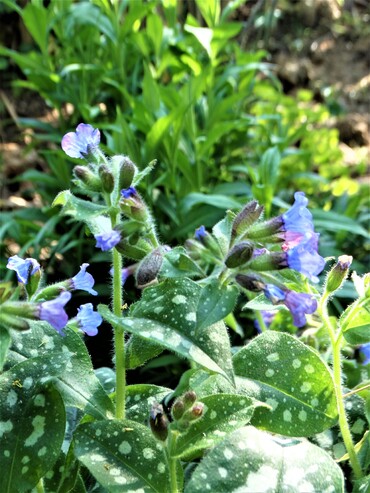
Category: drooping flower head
[129,192]
[82,142]
[83,280]
[365,353]
[24,268]
[53,311]
[200,233]
[305,259]
[106,241]
[299,304]
[88,320]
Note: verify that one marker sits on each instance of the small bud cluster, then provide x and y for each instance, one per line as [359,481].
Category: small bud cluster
[184,411]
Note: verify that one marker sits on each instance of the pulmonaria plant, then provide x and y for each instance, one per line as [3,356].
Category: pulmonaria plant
[242,417]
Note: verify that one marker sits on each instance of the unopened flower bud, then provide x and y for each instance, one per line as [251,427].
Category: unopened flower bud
[338,273]
[206,239]
[250,213]
[33,283]
[88,178]
[15,323]
[178,409]
[127,172]
[158,422]
[250,282]
[267,229]
[239,254]
[189,398]
[132,205]
[134,251]
[107,179]
[269,261]
[149,268]
[197,410]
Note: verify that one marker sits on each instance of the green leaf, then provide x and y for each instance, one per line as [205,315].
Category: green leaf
[138,351]
[167,315]
[215,303]
[63,476]
[219,201]
[278,369]
[122,455]
[357,323]
[32,422]
[5,341]
[332,221]
[222,232]
[176,263]
[210,10]
[84,211]
[250,460]
[362,485]
[139,400]
[223,413]
[78,385]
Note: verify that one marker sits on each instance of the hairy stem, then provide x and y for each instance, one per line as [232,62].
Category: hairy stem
[336,340]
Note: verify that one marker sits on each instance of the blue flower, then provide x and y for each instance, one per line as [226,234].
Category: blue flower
[128,192]
[305,259]
[106,241]
[200,233]
[267,316]
[88,321]
[24,268]
[299,304]
[53,311]
[83,280]
[365,352]
[82,142]
[125,273]
[298,218]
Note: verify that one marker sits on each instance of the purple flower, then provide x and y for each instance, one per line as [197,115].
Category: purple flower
[128,192]
[267,317]
[298,218]
[125,273]
[305,259]
[88,321]
[200,233]
[299,304]
[82,142]
[106,241]
[83,280]
[365,352]
[24,268]
[53,311]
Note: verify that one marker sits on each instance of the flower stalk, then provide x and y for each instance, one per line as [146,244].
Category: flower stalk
[336,343]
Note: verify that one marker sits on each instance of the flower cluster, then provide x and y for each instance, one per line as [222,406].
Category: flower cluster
[258,248]
[40,307]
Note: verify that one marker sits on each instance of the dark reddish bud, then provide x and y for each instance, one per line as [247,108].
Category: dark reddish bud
[178,409]
[250,282]
[189,398]
[158,422]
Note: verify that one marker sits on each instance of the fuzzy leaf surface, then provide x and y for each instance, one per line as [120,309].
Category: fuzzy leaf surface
[250,461]
[281,371]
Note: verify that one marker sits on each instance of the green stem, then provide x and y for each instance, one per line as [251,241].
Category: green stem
[172,462]
[119,335]
[336,340]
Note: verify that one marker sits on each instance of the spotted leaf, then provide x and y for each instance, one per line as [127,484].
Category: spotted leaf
[167,315]
[250,460]
[78,385]
[278,369]
[140,398]
[123,456]
[32,422]
[223,413]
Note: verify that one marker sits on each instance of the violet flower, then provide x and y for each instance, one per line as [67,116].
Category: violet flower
[88,320]
[106,241]
[298,219]
[305,259]
[267,316]
[299,304]
[83,280]
[200,233]
[82,142]
[23,268]
[53,311]
[125,273]
[365,352]
[128,192]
